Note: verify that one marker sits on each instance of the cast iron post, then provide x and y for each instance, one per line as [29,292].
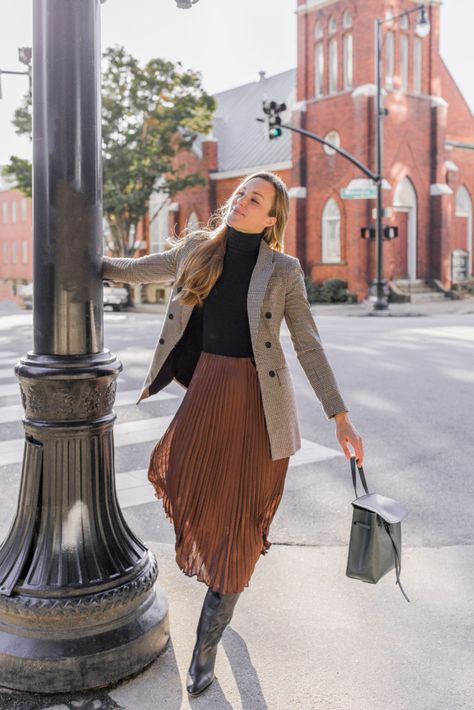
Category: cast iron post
[78,607]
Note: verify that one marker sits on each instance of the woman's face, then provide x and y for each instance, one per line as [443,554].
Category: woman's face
[250,206]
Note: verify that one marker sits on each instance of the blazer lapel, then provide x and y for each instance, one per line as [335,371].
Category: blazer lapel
[258,285]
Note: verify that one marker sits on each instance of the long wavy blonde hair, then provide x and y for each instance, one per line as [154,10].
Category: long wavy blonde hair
[201,268]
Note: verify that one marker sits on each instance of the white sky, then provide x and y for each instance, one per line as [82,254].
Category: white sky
[228,41]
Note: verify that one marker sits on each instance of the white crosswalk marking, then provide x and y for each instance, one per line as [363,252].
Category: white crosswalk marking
[14,412]
[138,432]
[7,390]
[133,487]
[6,372]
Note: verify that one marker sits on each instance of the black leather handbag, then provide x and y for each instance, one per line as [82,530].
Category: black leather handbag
[375,545]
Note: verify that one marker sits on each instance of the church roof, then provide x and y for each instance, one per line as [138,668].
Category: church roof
[241,139]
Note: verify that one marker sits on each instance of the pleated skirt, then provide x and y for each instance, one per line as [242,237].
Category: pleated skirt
[213,471]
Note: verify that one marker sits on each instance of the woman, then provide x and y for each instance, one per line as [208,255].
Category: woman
[220,466]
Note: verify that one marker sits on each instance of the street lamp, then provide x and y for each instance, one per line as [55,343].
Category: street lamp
[24,56]
[186,4]
[422,29]
[78,603]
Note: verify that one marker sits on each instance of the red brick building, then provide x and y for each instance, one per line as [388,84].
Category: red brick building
[428,147]
[16,242]
[428,154]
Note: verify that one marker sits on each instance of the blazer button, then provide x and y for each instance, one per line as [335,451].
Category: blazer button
[268,344]
[162,340]
[272,373]
[171,316]
[268,314]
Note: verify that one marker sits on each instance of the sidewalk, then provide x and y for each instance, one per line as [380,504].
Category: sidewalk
[306,637]
[365,308]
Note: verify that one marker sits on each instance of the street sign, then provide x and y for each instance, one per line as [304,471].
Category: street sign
[365,193]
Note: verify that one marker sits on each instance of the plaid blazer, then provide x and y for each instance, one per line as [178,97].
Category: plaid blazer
[276,291]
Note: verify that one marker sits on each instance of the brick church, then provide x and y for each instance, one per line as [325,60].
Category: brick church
[428,149]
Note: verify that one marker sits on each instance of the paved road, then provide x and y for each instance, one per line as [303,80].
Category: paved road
[304,636]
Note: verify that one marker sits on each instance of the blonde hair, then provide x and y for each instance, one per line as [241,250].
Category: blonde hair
[201,268]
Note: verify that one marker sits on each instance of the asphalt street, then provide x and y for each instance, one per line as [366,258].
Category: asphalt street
[304,636]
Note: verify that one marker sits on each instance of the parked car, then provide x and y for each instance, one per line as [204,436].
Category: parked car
[26,295]
[114,296]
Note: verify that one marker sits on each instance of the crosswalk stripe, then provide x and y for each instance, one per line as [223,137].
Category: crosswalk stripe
[8,356]
[7,390]
[6,372]
[14,412]
[126,433]
[133,487]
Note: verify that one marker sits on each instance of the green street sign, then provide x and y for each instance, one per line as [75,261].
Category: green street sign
[366,193]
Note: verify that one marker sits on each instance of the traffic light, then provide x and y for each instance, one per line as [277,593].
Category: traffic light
[272,110]
[368,232]
[274,130]
[388,231]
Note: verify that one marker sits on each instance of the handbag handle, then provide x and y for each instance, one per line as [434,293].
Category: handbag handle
[361,474]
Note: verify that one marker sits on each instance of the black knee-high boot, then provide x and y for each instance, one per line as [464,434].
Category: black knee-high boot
[216,613]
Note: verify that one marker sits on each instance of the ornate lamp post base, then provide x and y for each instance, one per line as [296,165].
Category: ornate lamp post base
[78,607]
[84,642]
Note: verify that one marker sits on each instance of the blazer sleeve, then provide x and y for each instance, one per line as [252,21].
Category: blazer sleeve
[154,268]
[308,346]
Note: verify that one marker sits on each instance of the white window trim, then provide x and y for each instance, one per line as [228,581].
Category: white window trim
[333,68]
[325,259]
[318,85]
[417,64]
[347,60]
[404,55]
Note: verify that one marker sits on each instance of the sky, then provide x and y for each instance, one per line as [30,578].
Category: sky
[228,41]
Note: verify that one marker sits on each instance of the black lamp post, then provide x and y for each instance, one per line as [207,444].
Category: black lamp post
[78,607]
[422,29]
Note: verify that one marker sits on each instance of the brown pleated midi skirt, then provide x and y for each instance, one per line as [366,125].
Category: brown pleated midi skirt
[213,471]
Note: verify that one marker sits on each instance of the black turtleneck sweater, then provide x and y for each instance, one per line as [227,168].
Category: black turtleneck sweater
[225,328]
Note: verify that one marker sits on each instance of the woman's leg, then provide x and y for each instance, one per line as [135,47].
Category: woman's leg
[216,614]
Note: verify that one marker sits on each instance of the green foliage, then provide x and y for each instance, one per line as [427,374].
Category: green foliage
[329,291]
[149,115]
[20,170]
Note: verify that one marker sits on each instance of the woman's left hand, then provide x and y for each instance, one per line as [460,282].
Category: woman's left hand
[346,434]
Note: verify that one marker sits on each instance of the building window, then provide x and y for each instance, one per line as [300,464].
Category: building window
[5,252]
[5,212]
[13,211]
[404,22]
[347,20]
[332,65]
[318,31]
[334,138]
[331,232]
[417,48]
[463,206]
[24,251]
[347,58]
[332,25]
[193,222]
[14,252]
[319,69]
[417,64]
[404,62]
[23,207]
[389,60]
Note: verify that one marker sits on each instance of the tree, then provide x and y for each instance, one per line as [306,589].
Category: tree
[150,115]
